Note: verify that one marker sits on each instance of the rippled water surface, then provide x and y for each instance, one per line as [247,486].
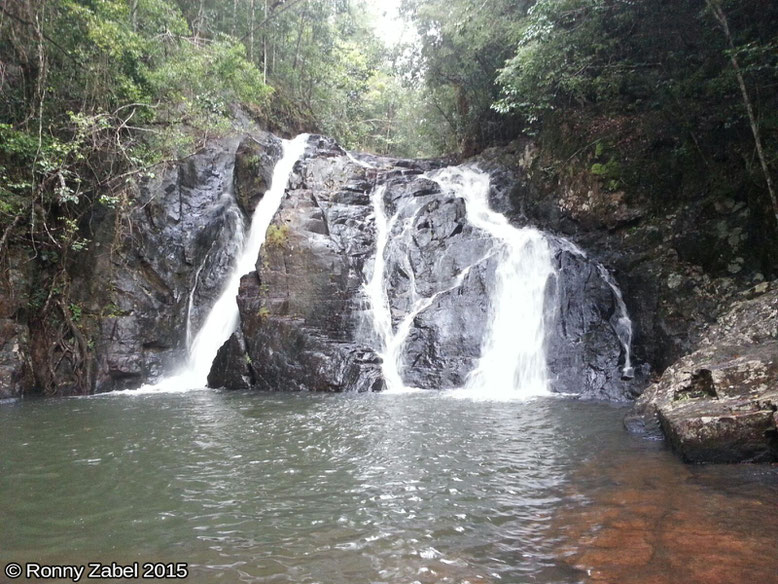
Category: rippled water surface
[249,487]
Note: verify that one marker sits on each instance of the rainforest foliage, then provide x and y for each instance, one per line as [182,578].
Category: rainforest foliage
[657,98]
[665,98]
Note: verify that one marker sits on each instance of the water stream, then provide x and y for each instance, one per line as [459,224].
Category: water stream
[513,357]
[223,316]
[380,311]
[512,362]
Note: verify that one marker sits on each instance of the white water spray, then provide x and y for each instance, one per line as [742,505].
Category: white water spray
[223,317]
[513,359]
[512,363]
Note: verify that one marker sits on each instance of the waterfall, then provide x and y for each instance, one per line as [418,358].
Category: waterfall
[390,343]
[237,242]
[392,338]
[623,325]
[222,320]
[513,358]
[512,362]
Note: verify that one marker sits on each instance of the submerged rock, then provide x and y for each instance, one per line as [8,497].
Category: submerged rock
[719,403]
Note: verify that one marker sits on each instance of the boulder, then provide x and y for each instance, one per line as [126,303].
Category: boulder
[719,403]
[232,368]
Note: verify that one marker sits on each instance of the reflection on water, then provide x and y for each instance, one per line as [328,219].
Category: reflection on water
[371,488]
[647,521]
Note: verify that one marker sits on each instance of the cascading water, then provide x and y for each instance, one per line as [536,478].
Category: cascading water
[223,317]
[512,362]
[513,359]
[623,324]
[237,243]
[379,299]
[392,338]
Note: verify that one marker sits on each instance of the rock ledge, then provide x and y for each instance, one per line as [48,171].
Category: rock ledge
[720,403]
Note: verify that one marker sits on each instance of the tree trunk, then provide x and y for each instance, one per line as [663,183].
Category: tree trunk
[199,20]
[264,49]
[251,30]
[134,14]
[300,31]
[718,13]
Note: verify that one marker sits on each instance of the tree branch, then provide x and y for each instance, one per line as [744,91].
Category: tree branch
[269,18]
[721,17]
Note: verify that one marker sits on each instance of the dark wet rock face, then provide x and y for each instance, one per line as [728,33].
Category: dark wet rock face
[305,321]
[305,316]
[585,355]
[232,367]
[431,245]
[719,403]
[302,311]
[255,160]
[166,271]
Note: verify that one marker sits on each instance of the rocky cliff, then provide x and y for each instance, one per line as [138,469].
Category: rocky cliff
[152,273]
[145,281]
[305,317]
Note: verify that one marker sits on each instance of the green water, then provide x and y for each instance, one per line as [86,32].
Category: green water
[252,487]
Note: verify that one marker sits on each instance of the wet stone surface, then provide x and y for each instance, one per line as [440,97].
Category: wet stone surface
[719,403]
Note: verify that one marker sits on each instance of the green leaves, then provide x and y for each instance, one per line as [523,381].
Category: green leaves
[198,81]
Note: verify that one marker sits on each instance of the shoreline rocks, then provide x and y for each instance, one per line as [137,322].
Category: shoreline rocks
[720,403]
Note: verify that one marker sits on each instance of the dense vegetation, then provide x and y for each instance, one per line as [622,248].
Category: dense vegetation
[96,91]
[651,94]
[666,101]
